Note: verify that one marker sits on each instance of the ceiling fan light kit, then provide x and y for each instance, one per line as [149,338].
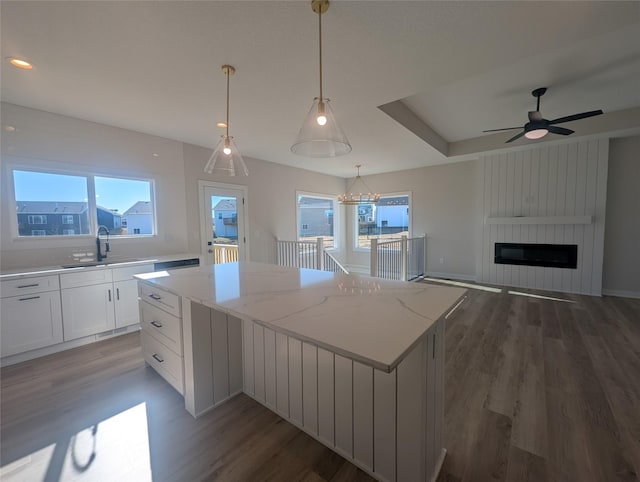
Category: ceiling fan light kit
[320,134]
[226,159]
[538,127]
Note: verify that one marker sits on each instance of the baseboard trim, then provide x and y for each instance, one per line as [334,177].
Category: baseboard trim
[622,293]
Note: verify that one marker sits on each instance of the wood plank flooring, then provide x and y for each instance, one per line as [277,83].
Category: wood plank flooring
[536,390]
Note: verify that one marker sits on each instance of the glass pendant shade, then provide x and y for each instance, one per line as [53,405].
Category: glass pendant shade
[226,159]
[320,134]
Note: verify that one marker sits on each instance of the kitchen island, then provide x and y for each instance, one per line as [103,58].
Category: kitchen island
[356,362]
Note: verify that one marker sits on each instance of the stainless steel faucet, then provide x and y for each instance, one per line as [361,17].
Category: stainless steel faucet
[99,255]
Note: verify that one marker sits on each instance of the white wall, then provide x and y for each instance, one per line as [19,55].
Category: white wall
[443,200]
[53,141]
[272,199]
[621,274]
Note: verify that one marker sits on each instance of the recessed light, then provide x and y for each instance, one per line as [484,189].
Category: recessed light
[9,128]
[20,63]
[221,125]
[155,154]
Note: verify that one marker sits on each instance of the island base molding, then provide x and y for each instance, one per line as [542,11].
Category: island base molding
[388,424]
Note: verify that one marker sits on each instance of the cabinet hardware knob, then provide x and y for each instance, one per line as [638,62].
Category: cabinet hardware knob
[160,359]
[155,296]
[157,324]
[118,294]
[109,295]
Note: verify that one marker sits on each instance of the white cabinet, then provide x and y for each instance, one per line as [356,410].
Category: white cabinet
[88,310]
[96,301]
[30,321]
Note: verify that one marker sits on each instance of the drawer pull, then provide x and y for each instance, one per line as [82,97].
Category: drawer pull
[29,286]
[29,298]
[155,296]
[157,324]
[158,358]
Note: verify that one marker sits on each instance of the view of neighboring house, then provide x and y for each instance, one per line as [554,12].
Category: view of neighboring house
[392,213]
[66,218]
[111,219]
[316,217]
[138,219]
[225,219]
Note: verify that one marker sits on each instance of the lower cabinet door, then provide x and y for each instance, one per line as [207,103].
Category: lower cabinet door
[88,310]
[126,295]
[30,321]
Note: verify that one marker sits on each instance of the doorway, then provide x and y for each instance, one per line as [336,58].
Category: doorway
[223,209]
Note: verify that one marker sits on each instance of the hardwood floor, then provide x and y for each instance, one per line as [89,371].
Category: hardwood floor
[536,389]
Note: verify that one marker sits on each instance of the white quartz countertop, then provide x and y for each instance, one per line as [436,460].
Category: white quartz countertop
[371,320]
[111,262]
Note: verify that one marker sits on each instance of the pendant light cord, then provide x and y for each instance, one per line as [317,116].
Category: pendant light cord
[228,75]
[320,48]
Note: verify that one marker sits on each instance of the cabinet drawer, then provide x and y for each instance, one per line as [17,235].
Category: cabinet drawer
[161,325]
[126,273]
[163,360]
[25,286]
[160,298]
[85,278]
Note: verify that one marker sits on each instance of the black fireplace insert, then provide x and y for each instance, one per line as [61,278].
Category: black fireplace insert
[529,254]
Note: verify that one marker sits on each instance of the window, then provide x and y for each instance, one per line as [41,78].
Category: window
[388,219]
[316,218]
[123,206]
[219,215]
[37,219]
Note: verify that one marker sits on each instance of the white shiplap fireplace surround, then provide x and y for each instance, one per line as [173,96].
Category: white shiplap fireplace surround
[548,195]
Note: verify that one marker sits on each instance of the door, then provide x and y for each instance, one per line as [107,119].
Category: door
[223,210]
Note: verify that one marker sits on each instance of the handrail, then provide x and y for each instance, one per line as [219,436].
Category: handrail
[307,254]
[400,259]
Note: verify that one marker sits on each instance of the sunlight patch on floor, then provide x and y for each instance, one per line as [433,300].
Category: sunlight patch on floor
[542,297]
[465,285]
[116,448]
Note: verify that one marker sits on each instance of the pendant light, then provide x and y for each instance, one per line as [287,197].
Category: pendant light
[356,194]
[320,134]
[226,159]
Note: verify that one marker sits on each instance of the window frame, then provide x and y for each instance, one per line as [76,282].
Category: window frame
[355,214]
[65,170]
[336,216]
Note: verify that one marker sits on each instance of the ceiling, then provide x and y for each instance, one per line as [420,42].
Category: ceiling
[456,67]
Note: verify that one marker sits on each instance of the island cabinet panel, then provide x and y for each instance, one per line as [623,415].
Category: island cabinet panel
[439,393]
[411,380]
[344,405]
[310,387]
[384,424]
[220,347]
[295,380]
[258,361]
[430,399]
[234,337]
[325,397]
[212,357]
[270,382]
[247,344]
[363,414]
[282,374]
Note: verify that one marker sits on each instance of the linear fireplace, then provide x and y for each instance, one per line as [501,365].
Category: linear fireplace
[549,255]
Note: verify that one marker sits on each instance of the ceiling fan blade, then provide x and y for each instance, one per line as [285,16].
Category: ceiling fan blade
[560,130]
[517,136]
[535,115]
[574,117]
[505,129]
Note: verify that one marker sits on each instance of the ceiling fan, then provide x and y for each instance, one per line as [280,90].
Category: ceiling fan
[538,127]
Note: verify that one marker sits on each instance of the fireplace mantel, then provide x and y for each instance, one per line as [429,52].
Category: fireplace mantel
[541,220]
